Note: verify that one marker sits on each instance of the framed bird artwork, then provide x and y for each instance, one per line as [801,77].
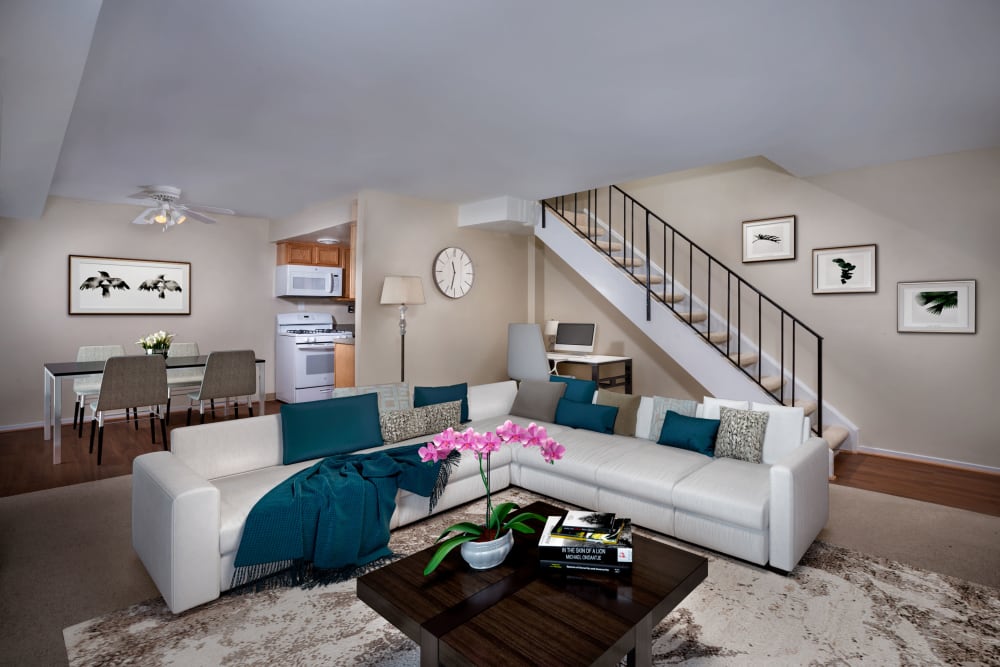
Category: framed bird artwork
[116,286]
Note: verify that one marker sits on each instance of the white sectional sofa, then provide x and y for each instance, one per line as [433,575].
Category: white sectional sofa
[189,505]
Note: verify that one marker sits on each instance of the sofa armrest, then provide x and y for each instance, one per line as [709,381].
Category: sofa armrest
[800,498]
[175,529]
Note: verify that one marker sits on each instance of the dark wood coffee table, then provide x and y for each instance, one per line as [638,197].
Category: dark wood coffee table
[516,614]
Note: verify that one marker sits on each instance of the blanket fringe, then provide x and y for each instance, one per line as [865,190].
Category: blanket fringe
[444,474]
[299,573]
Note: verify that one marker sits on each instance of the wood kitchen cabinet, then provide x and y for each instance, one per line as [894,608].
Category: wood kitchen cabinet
[309,254]
[343,365]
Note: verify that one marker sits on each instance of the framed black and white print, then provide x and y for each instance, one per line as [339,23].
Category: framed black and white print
[769,239]
[115,286]
[947,306]
[845,270]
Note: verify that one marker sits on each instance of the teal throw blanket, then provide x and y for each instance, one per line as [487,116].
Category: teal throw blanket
[334,516]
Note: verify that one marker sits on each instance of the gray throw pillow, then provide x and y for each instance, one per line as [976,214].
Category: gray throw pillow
[399,425]
[628,407]
[741,434]
[538,400]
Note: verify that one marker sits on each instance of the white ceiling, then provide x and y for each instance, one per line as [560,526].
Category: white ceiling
[269,106]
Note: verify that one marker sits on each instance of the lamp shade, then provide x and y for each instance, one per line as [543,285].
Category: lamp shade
[551,327]
[402,290]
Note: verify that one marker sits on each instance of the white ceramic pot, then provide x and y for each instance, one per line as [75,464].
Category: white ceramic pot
[484,555]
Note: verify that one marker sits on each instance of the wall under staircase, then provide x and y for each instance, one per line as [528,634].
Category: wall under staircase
[721,355]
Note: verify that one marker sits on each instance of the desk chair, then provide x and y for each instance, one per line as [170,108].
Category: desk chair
[89,386]
[228,374]
[526,358]
[182,380]
[130,382]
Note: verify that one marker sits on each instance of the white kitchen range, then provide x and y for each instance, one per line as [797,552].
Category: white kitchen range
[303,356]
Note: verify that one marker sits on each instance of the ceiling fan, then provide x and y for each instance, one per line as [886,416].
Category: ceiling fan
[167,211]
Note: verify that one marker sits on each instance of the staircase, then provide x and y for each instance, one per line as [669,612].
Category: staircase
[736,341]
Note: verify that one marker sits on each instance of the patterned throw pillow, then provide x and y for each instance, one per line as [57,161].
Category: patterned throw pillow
[662,405]
[741,434]
[399,425]
[391,396]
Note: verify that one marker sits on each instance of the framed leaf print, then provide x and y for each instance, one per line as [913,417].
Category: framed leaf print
[845,270]
[947,306]
[769,239]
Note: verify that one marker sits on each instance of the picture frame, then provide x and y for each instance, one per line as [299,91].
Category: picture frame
[769,239]
[117,286]
[845,269]
[943,306]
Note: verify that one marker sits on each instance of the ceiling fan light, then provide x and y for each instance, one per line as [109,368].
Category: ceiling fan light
[181,218]
[160,217]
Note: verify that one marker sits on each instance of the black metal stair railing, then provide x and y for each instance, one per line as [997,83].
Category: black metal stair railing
[646,240]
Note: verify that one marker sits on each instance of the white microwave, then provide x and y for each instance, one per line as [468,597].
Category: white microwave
[300,280]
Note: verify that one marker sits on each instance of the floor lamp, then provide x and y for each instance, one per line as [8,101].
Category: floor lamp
[402,291]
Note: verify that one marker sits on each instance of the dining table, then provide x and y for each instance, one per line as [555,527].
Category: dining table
[57,371]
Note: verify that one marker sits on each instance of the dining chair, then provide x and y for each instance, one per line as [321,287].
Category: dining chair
[89,386]
[130,382]
[228,374]
[181,380]
[526,358]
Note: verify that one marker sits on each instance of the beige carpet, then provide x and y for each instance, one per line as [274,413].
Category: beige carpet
[66,556]
[839,606]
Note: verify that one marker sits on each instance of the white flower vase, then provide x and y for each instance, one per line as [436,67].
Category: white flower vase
[484,555]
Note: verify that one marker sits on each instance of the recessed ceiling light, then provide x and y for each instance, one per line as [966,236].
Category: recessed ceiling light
[327,241]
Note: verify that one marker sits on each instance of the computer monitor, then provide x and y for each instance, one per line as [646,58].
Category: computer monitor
[575,337]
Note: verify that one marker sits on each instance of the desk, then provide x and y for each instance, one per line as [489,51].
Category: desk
[595,361]
[55,372]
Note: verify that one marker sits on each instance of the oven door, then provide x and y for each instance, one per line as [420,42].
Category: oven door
[313,365]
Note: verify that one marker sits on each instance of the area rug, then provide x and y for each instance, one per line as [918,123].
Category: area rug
[838,607]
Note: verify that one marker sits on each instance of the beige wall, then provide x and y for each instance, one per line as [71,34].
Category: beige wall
[447,340]
[232,274]
[933,219]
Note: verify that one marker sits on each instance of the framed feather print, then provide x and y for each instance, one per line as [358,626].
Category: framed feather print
[115,286]
[769,239]
[947,306]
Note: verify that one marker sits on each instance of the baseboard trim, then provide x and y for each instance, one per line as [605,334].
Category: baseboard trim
[934,460]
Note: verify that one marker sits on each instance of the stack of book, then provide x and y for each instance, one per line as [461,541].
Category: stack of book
[585,541]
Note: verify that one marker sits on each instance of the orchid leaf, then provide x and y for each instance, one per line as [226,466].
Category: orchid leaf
[500,513]
[463,528]
[445,549]
[517,522]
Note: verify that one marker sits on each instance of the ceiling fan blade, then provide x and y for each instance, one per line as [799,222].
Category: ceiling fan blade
[209,209]
[142,218]
[142,194]
[197,216]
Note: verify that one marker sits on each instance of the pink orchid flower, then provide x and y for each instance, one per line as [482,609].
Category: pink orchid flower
[431,453]
[552,451]
[507,431]
[535,435]
[446,439]
[490,442]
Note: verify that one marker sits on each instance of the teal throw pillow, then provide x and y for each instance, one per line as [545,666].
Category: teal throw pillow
[430,395]
[593,417]
[332,426]
[693,433]
[581,391]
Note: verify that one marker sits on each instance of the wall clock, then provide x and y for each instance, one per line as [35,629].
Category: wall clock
[453,272]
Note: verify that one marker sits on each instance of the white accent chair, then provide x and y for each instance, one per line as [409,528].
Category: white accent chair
[526,359]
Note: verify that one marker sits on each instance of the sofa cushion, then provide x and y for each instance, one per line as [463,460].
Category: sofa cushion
[784,430]
[728,490]
[691,433]
[537,399]
[628,407]
[429,420]
[586,453]
[332,426]
[647,470]
[741,434]
[455,392]
[581,391]
[392,396]
[600,418]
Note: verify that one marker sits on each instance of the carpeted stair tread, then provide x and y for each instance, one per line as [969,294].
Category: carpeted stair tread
[771,382]
[653,279]
[808,407]
[671,298]
[631,261]
[612,247]
[835,436]
[718,337]
[745,359]
[696,316]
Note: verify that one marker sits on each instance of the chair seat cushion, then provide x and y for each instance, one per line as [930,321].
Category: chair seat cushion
[729,490]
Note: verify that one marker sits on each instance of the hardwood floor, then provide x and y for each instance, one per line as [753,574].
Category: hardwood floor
[26,465]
